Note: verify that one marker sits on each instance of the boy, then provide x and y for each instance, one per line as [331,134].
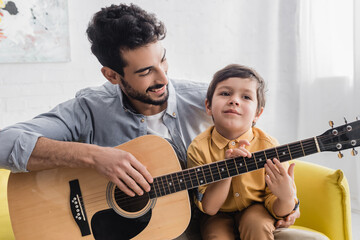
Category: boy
[250,202]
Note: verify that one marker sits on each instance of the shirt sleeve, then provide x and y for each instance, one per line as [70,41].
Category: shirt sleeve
[64,123]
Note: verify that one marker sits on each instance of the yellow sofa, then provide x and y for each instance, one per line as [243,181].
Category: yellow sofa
[5,225]
[324,200]
[323,193]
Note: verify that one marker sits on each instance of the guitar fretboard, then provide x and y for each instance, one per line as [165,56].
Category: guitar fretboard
[209,173]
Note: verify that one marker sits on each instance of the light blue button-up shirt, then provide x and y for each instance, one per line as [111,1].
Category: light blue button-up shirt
[100,116]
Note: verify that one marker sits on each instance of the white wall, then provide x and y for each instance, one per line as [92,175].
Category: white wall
[203,36]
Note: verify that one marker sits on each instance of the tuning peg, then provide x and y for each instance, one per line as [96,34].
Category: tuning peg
[331,123]
[354,152]
[340,155]
[345,120]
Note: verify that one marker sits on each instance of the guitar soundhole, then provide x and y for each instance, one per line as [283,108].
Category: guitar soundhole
[130,204]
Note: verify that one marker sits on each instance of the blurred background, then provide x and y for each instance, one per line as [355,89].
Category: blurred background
[308,51]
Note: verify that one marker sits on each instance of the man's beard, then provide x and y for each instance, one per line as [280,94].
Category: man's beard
[132,93]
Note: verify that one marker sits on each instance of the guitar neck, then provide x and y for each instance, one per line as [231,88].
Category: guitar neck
[209,173]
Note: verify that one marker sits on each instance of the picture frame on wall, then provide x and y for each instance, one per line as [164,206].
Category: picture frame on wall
[34,31]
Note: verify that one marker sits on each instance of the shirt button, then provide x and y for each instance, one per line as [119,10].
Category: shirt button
[142,120]
[174,114]
[233,143]
[237,194]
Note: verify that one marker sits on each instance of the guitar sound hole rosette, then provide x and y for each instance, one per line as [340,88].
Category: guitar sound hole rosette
[126,206]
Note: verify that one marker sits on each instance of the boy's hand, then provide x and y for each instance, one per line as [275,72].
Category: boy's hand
[280,182]
[289,220]
[240,151]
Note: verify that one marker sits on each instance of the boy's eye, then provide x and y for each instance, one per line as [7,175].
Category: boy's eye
[247,97]
[224,94]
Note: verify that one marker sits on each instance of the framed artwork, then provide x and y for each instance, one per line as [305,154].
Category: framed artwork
[34,31]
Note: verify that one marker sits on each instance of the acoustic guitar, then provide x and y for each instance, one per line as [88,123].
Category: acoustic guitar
[69,203]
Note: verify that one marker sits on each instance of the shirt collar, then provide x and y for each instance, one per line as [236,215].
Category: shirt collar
[171,106]
[221,142]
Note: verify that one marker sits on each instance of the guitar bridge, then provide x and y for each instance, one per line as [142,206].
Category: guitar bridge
[77,208]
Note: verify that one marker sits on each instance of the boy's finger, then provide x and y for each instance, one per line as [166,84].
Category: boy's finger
[268,170]
[280,167]
[244,142]
[291,170]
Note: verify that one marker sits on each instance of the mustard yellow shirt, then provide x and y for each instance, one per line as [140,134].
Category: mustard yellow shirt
[245,189]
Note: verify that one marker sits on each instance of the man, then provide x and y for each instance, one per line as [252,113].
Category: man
[138,99]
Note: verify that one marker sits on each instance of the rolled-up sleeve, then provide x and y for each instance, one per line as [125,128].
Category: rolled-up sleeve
[17,142]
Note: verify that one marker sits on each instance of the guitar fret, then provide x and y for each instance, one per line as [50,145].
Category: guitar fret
[176,182]
[260,159]
[187,178]
[260,162]
[277,154]
[208,175]
[283,153]
[271,153]
[302,148]
[237,170]
[152,192]
[200,175]
[181,180]
[289,151]
[170,183]
[295,150]
[250,164]
[254,159]
[222,170]
[214,168]
[193,177]
[161,187]
[231,167]
[310,146]
[165,185]
[244,159]
[175,185]
[240,165]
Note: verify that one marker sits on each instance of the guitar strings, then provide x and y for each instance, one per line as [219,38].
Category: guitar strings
[188,178]
[305,147]
[121,197]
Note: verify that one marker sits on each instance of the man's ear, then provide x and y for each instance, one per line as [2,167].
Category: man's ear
[110,75]
[208,108]
[258,114]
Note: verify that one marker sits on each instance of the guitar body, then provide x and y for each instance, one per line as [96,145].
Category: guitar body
[45,204]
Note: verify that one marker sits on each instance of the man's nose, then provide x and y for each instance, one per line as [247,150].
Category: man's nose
[162,76]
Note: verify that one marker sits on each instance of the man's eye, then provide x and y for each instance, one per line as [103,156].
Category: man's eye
[146,72]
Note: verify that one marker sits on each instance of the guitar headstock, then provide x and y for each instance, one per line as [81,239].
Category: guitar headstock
[340,138]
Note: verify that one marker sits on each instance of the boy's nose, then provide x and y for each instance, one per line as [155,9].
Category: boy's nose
[234,101]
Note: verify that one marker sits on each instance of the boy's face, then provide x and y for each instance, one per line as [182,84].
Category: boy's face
[234,106]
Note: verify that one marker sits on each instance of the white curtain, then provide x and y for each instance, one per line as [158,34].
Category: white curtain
[329,80]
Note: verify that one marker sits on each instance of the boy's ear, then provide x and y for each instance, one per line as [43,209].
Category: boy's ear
[208,108]
[110,75]
[258,114]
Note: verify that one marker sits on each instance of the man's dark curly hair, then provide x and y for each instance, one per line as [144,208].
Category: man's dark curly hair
[122,27]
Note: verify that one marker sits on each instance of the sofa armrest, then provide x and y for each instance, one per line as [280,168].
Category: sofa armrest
[325,200]
[5,229]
